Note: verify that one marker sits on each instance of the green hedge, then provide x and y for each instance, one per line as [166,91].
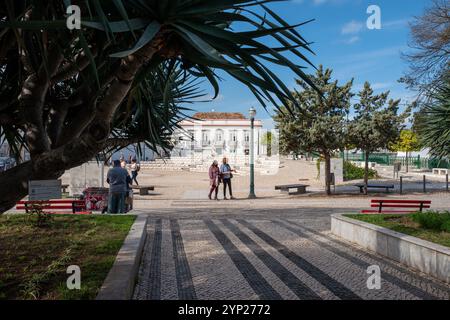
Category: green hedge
[434,220]
[352,172]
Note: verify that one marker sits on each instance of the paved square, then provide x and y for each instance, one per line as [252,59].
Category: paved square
[219,253]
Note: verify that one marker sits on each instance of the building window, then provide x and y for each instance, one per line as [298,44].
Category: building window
[219,135]
[246,136]
[233,136]
[205,137]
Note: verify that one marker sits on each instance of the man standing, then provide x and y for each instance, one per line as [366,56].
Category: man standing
[117,179]
[226,173]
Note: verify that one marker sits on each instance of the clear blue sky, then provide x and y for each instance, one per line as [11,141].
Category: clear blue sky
[341,42]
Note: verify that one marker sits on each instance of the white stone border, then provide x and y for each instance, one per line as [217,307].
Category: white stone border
[121,279]
[425,256]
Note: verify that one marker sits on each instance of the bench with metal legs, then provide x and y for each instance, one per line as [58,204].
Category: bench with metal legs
[410,205]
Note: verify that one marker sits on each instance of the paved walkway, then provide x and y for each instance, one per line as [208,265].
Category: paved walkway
[252,253]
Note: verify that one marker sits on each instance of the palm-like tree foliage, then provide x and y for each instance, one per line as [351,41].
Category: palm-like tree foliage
[197,32]
[67,95]
[154,109]
[433,122]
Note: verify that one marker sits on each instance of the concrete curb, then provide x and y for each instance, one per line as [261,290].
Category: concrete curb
[120,282]
[425,256]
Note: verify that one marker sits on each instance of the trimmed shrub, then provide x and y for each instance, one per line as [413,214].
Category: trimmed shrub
[352,172]
[434,220]
[446,226]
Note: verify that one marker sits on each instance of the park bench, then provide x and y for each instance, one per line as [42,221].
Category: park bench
[49,206]
[143,190]
[411,205]
[372,185]
[440,171]
[301,188]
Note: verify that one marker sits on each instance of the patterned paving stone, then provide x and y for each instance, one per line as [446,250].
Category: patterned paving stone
[266,256]
[300,289]
[169,290]
[214,274]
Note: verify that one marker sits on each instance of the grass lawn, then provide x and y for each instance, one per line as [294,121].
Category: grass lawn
[34,260]
[404,224]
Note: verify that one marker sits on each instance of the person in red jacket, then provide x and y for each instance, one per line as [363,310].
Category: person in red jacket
[214,179]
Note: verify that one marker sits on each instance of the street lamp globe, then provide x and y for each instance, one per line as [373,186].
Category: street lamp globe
[252,113]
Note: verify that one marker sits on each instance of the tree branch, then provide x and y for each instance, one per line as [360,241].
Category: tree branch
[81,62]
[31,102]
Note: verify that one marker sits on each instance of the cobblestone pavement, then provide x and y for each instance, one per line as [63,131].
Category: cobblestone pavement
[254,253]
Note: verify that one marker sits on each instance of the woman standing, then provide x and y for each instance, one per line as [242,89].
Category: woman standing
[214,174]
[134,171]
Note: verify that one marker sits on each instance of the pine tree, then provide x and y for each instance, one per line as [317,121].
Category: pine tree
[318,125]
[376,124]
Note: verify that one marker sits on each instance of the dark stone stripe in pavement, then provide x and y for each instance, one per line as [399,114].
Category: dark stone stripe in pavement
[331,284]
[300,289]
[418,292]
[261,287]
[154,276]
[186,289]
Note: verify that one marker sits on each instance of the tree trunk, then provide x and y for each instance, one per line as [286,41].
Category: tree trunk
[47,166]
[52,165]
[14,185]
[78,147]
[366,171]
[327,174]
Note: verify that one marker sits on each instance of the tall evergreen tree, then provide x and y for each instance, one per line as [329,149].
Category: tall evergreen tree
[376,124]
[318,125]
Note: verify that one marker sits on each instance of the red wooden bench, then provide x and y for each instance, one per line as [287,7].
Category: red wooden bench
[412,205]
[75,206]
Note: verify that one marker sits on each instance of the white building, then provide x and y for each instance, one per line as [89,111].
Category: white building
[217,134]
[211,136]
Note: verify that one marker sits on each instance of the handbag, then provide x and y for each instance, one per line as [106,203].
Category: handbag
[231,174]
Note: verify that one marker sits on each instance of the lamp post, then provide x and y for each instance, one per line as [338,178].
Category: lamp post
[252,113]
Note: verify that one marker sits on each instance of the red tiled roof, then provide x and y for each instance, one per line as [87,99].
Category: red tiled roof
[219,116]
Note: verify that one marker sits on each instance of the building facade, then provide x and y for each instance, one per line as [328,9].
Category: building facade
[215,135]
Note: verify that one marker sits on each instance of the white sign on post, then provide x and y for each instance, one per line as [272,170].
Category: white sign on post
[44,189]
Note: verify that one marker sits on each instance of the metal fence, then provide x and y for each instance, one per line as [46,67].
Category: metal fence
[390,159]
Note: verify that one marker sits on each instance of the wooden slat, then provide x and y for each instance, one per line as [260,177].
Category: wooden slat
[386,211]
[48,207]
[143,187]
[290,186]
[400,206]
[50,201]
[68,212]
[401,201]
[390,186]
